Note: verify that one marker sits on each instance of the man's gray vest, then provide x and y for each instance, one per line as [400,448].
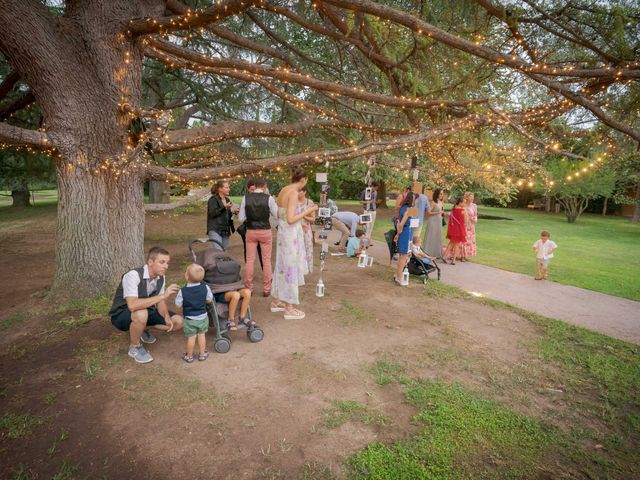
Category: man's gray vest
[120,304]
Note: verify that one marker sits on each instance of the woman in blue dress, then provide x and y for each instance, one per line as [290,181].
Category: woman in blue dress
[405,234]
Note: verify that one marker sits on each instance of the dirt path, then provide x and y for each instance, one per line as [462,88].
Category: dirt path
[613,316]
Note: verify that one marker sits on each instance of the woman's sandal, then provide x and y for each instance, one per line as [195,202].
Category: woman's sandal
[203,356]
[277,307]
[187,358]
[294,314]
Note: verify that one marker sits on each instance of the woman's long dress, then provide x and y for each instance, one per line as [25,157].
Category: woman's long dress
[291,260]
[308,235]
[433,236]
[456,230]
[470,245]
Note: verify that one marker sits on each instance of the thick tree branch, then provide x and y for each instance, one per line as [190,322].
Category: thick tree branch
[399,142]
[589,104]
[191,19]
[176,56]
[23,137]
[196,137]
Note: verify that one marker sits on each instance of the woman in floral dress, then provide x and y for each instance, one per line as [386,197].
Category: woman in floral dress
[469,247]
[307,221]
[291,258]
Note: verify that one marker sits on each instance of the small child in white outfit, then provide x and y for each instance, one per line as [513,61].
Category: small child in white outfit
[544,252]
[417,252]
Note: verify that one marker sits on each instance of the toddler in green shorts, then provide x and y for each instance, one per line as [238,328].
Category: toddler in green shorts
[193,299]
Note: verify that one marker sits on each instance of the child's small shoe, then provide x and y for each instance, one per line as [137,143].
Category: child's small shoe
[231,326]
[187,358]
[203,356]
[247,322]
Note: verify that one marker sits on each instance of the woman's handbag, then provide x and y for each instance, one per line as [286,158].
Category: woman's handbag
[444,222]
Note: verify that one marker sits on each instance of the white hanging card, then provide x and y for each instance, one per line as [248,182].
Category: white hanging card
[321,177]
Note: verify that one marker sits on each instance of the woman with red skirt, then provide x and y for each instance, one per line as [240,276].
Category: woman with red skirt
[456,230]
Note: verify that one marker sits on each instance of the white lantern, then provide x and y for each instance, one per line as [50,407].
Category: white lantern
[320,289]
[405,277]
[362,259]
[369,261]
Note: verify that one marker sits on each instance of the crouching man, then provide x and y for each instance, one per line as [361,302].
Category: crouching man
[140,303]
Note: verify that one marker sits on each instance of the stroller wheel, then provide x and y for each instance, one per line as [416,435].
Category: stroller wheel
[424,280]
[255,334]
[222,345]
[226,336]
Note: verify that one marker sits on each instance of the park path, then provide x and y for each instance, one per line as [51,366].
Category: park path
[613,316]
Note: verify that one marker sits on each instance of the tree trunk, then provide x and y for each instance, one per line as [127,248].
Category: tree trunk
[604,207]
[382,194]
[21,197]
[100,229]
[159,192]
[86,77]
[547,203]
[636,211]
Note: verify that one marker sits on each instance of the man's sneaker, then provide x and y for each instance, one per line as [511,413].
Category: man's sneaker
[146,337]
[140,355]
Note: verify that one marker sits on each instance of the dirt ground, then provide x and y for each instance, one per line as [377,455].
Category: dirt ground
[260,411]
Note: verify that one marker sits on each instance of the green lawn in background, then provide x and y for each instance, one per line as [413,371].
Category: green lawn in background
[597,253]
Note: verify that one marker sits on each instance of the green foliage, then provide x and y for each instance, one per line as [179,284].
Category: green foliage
[26,171]
[344,411]
[386,371]
[609,365]
[12,320]
[575,183]
[18,426]
[461,432]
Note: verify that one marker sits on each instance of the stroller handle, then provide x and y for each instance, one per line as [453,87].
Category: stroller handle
[202,240]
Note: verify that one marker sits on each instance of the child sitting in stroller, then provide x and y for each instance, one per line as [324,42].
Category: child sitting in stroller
[232,298]
[421,255]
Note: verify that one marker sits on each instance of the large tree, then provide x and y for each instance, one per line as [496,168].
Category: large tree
[293,82]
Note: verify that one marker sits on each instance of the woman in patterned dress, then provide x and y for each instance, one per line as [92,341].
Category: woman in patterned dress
[307,221]
[469,247]
[291,259]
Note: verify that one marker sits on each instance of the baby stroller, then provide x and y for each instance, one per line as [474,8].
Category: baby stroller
[422,266]
[222,274]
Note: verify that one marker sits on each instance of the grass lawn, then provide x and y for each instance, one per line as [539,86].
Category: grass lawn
[597,253]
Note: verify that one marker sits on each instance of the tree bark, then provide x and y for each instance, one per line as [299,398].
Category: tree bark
[636,211]
[604,207]
[100,229]
[159,192]
[382,194]
[21,197]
